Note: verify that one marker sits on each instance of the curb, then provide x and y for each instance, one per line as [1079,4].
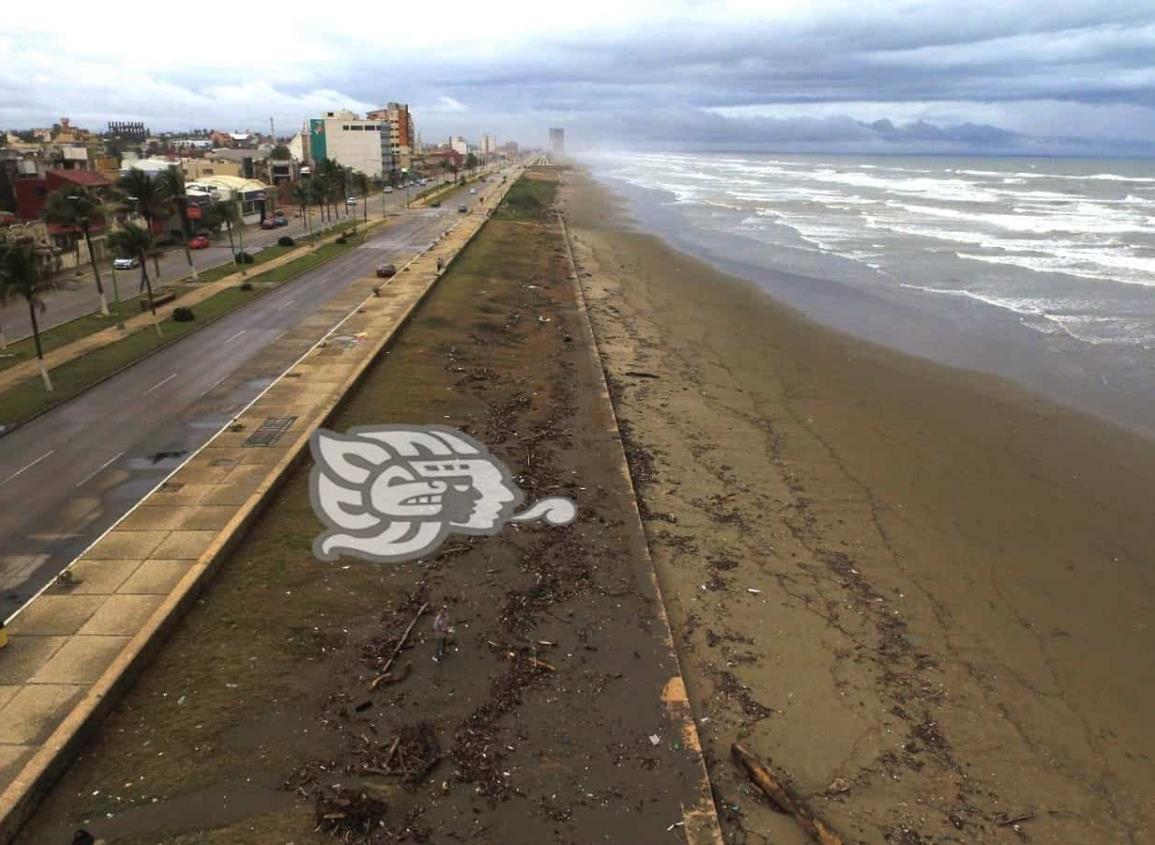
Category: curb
[701,824]
[23,794]
[164,345]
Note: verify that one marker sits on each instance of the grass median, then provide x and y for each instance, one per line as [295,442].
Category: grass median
[73,330]
[29,398]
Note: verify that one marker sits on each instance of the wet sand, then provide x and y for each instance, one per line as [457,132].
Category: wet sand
[952,636]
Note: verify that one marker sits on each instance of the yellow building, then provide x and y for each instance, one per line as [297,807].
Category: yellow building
[200,168]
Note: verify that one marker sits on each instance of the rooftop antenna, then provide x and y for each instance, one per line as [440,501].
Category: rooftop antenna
[272,132]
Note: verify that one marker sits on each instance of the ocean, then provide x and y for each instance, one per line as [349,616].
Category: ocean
[1038,270]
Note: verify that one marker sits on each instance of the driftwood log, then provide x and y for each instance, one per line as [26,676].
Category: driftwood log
[783,796]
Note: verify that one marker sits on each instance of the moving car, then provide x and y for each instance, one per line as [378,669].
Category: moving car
[199,242]
[126,263]
[351,201]
[463,208]
[388,190]
[435,204]
[384,271]
[473,190]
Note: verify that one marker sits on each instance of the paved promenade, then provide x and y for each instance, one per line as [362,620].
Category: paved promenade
[76,646]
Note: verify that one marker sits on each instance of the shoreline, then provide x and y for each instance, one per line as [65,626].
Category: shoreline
[952,572]
[1102,381]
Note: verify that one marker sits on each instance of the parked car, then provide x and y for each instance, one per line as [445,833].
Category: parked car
[463,208]
[351,201]
[435,204]
[281,221]
[473,190]
[268,223]
[385,271]
[199,242]
[388,190]
[126,263]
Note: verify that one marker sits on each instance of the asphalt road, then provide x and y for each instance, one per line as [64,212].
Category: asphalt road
[67,476]
[74,296]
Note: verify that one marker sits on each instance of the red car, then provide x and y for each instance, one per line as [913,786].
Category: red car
[199,242]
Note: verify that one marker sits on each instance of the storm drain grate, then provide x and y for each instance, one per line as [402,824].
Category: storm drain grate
[270,431]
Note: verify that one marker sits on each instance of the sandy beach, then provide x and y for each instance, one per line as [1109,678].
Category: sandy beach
[923,593]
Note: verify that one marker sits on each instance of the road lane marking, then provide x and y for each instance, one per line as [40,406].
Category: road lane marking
[161,482]
[158,384]
[215,383]
[286,305]
[27,467]
[96,471]
[234,337]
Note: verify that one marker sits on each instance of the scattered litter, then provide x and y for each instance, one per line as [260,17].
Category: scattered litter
[655,739]
[675,824]
[754,590]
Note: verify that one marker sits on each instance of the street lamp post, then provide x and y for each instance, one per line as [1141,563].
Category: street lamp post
[405,179]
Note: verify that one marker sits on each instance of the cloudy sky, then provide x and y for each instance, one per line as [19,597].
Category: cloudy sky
[873,75]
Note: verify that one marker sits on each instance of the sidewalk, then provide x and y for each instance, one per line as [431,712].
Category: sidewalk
[17,373]
[73,650]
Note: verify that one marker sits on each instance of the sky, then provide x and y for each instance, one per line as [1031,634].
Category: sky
[1031,76]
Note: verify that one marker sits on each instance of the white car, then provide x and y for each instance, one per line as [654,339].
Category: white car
[126,263]
[473,190]
[388,190]
[351,201]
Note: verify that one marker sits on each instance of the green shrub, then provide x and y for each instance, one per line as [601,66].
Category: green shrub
[243,258]
[182,315]
[285,240]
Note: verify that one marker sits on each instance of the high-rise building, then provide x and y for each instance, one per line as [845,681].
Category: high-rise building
[351,141]
[488,145]
[459,145]
[557,140]
[398,136]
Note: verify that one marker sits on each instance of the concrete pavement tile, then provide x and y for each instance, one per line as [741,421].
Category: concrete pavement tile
[176,492]
[6,693]
[34,711]
[23,657]
[12,757]
[200,472]
[53,613]
[152,517]
[230,494]
[124,545]
[206,517]
[82,660]
[121,615]
[248,475]
[157,577]
[184,545]
[92,577]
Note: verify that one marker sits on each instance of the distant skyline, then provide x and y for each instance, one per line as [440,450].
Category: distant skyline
[827,75]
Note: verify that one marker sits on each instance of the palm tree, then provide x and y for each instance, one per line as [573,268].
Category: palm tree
[149,199]
[77,208]
[132,241]
[301,196]
[471,163]
[171,183]
[19,274]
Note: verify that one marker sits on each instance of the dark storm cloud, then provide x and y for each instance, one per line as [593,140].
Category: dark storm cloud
[951,73]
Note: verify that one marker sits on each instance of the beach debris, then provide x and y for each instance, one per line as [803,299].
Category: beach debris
[783,796]
[1013,822]
[754,590]
[674,825]
[400,644]
[838,786]
[655,739]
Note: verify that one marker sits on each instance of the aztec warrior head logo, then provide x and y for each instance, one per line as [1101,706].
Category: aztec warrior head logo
[395,492]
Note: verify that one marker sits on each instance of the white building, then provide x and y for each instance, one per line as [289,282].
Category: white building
[459,145]
[350,140]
